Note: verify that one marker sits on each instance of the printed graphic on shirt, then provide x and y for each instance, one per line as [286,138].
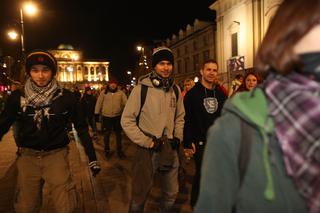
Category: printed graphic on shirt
[210,104]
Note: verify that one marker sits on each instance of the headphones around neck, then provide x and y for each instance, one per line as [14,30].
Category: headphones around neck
[159,82]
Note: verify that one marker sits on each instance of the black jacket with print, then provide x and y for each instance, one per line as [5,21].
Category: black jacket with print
[197,119]
[53,133]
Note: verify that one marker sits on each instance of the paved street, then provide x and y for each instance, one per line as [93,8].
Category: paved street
[108,192]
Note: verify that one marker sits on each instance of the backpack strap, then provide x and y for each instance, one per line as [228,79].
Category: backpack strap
[143,95]
[176,91]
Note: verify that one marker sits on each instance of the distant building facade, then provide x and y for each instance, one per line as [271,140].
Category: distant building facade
[73,70]
[191,47]
[241,25]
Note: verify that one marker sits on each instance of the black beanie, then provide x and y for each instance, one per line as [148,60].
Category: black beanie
[161,54]
[41,57]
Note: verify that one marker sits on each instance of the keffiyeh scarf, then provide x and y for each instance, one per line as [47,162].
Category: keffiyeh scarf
[295,106]
[40,98]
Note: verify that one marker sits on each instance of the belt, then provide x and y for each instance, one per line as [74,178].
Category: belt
[29,151]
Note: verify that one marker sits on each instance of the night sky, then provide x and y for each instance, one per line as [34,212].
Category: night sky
[102,29]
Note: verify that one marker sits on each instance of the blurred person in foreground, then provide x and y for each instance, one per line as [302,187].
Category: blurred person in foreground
[42,110]
[282,172]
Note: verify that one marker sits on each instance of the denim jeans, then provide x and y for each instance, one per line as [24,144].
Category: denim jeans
[142,186]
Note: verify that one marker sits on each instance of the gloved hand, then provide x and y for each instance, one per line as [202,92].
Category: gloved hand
[174,142]
[97,117]
[94,167]
[156,144]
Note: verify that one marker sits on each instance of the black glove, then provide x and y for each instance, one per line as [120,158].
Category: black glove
[156,144]
[94,167]
[175,142]
[97,117]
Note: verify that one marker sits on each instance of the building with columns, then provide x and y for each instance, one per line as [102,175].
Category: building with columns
[241,25]
[74,70]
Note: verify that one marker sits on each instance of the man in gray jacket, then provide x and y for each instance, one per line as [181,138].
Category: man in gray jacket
[110,104]
[156,127]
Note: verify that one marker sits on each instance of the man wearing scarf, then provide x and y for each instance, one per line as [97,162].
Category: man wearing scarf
[42,111]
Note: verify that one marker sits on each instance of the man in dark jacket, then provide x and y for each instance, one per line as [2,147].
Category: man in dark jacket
[42,111]
[203,104]
[88,102]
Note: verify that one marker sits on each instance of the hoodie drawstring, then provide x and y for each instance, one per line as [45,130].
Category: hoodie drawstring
[269,190]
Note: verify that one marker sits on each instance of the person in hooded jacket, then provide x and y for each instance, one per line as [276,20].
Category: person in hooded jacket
[156,127]
[281,119]
[41,112]
[110,104]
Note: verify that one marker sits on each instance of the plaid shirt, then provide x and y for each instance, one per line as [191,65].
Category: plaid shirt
[295,106]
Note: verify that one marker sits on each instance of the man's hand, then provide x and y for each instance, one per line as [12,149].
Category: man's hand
[190,152]
[156,144]
[94,167]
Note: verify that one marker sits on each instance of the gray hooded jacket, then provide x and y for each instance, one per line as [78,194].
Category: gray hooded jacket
[160,115]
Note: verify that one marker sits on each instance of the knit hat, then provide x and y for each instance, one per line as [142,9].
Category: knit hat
[112,81]
[87,88]
[161,54]
[41,57]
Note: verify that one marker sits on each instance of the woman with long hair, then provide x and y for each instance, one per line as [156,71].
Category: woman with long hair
[251,80]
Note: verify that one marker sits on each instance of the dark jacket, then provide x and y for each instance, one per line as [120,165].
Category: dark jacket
[197,119]
[53,132]
[88,103]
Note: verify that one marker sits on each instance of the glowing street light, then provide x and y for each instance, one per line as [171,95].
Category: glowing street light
[30,9]
[140,48]
[12,34]
[143,64]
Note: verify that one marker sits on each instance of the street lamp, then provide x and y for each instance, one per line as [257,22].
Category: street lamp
[30,9]
[12,34]
[143,64]
[140,48]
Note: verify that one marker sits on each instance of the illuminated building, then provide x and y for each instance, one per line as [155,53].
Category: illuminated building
[241,25]
[74,70]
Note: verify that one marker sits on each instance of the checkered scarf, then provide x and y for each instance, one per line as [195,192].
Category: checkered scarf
[40,98]
[295,106]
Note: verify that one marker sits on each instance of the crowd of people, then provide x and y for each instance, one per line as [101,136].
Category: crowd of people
[255,147]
